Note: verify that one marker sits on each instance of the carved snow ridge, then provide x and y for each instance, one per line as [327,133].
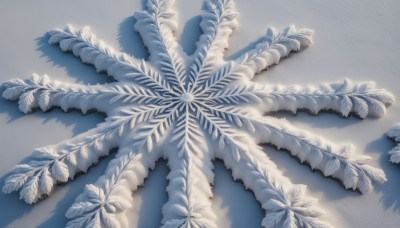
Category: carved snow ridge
[189,110]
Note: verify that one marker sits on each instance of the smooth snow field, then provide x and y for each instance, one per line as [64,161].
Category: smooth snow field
[355,39]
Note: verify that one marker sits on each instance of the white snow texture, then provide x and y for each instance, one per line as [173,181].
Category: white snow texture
[190,110]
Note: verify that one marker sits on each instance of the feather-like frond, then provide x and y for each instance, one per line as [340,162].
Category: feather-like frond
[156,26]
[218,22]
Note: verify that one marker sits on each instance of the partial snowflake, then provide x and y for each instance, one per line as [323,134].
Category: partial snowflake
[394,133]
[189,110]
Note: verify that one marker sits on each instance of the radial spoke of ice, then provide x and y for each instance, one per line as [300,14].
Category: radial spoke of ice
[43,93]
[362,99]
[121,66]
[218,22]
[59,163]
[235,95]
[156,25]
[339,162]
[285,204]
[151,132]
[288,204]
[189,191]
[274,47]
[86,46]
[187,134]
[101,202]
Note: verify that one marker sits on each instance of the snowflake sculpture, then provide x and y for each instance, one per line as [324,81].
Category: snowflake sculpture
[189,110]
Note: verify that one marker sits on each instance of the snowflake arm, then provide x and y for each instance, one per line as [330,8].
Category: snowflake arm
[99,204]
[268,52]
[92,51]
[189,192]
[394,134]
[274,46]
[119,65]
[58,163]
[345,98]
[295,210]
[43,93]
[151,133]
[257,173]
[339,162]
[186,134]
[331,160]
[219,130]
[235,96]
[190,177]
[157,25]
[256,170]
[217,25]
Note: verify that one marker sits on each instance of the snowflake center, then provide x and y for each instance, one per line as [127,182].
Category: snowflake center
[187,97]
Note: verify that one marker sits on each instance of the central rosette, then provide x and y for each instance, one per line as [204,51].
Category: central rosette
[187,97]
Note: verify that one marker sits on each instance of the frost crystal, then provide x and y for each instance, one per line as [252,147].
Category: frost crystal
[189,110]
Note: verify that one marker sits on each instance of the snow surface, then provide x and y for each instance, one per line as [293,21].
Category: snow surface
[354,39]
